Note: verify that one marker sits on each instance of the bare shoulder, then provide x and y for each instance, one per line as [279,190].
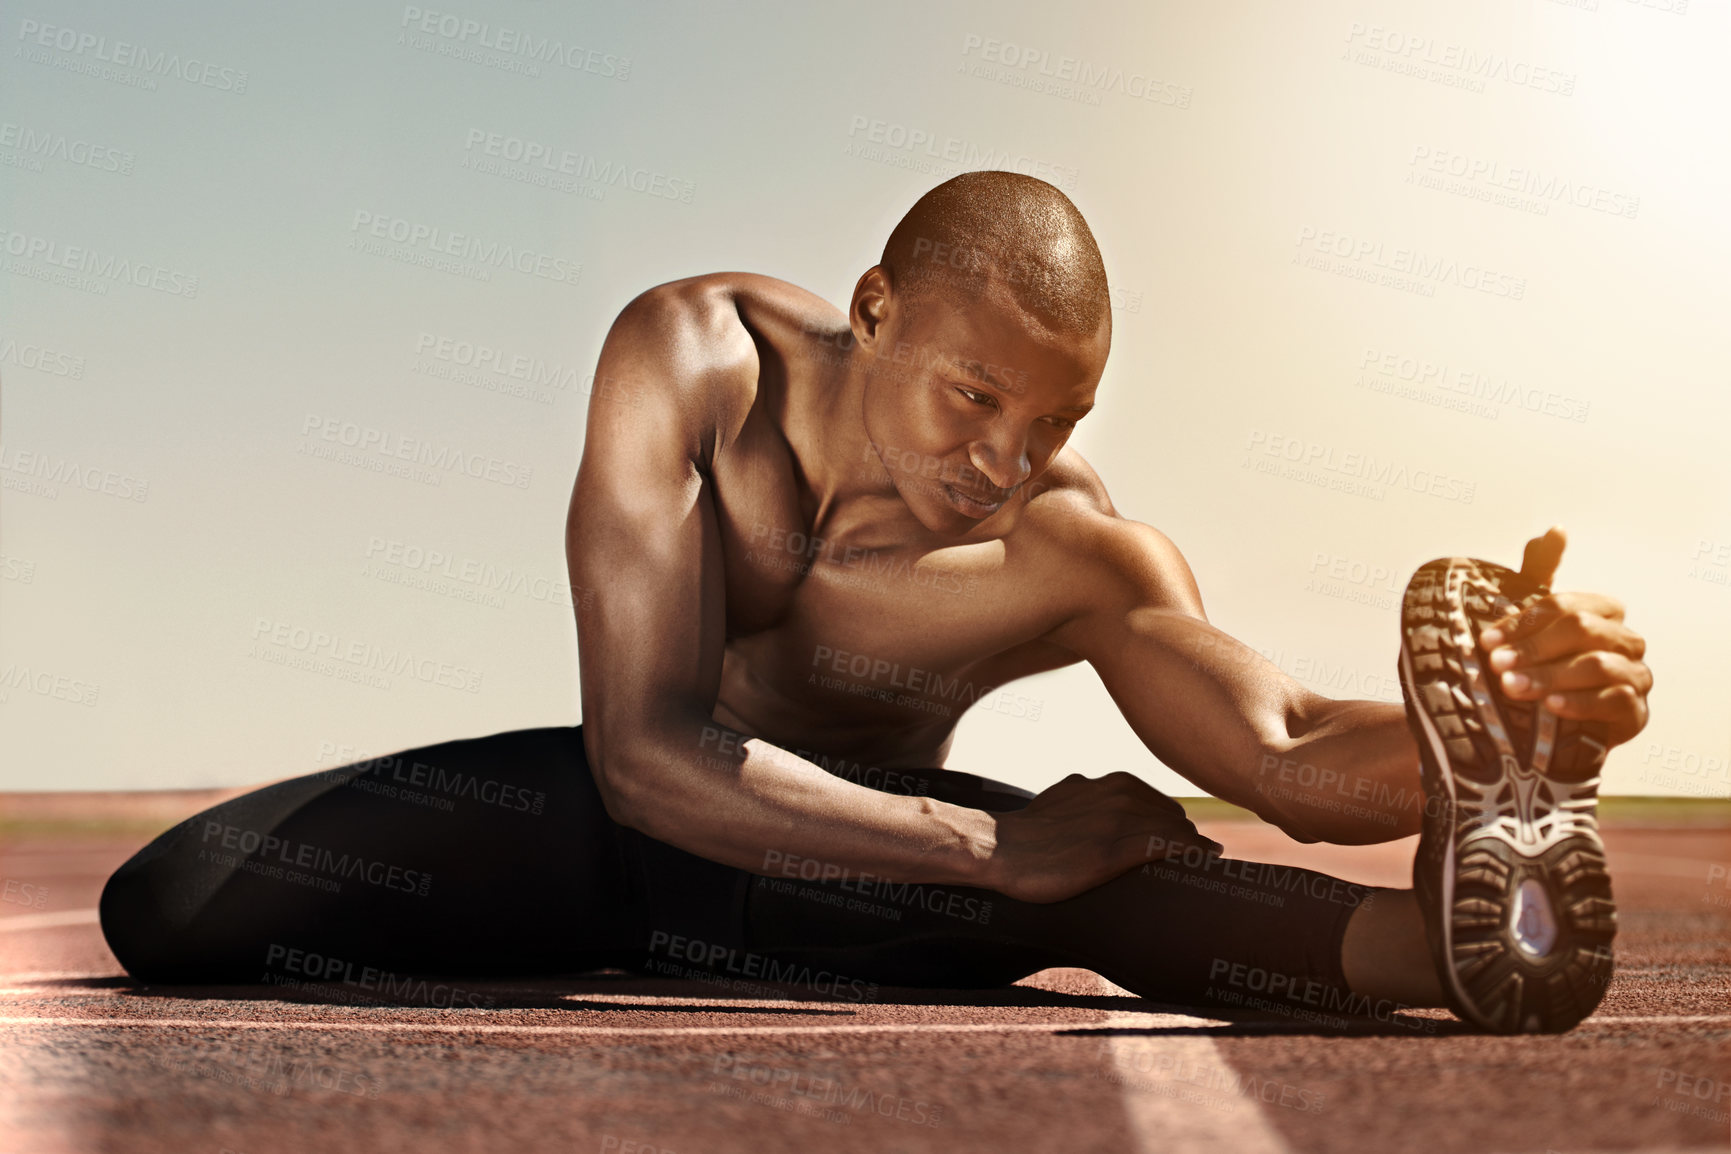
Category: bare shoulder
[1109,560]
[688,329]
[692,350]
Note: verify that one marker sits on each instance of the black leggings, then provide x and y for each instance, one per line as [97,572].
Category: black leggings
[493,857]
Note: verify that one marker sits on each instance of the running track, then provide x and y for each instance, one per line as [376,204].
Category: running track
[91,1062]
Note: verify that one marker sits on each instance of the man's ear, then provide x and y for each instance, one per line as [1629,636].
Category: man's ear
[871,304]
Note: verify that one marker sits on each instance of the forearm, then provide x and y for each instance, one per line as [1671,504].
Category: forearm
[1231,721]
[1349,773]
[743,802]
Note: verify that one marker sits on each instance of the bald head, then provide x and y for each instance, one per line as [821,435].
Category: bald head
[982,229]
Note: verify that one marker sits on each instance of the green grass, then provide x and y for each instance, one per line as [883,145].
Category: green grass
[14,828]
[1669,811]
[1691,812]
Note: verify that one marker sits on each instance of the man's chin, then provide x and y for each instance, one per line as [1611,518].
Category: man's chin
[971,507]
[941,510]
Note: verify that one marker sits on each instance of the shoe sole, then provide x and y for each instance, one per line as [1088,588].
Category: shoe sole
[1520,915]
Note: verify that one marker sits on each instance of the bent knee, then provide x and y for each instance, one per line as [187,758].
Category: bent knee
[153,940]
[135,926]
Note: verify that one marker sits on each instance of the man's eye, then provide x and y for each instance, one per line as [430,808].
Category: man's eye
[1062,423]
[976,396]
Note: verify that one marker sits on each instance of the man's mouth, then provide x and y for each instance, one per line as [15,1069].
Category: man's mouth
[976,505]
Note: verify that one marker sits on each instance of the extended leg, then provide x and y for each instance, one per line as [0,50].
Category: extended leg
[490,855]
[1385,955]
[494,856]
[1186,928]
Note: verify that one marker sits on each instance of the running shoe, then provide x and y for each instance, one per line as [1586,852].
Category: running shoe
[1510,869]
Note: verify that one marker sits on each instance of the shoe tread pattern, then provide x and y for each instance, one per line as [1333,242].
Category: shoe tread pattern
[1512,799]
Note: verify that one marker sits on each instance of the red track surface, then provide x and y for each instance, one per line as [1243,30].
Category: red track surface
[91,1062]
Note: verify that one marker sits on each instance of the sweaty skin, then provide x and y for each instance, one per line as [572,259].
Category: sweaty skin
[795,529]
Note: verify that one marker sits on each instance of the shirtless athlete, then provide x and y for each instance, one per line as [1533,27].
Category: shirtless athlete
[801,542]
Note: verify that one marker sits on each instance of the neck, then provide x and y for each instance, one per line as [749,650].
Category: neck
[846,484]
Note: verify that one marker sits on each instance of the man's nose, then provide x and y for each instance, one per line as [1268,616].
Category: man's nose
[1002,461]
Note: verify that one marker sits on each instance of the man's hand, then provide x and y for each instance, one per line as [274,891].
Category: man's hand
[1083,832]
[1573,650]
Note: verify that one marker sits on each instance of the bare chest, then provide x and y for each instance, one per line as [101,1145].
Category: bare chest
[832,627]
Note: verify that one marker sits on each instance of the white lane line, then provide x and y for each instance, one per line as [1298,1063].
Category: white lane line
[1180,1093]
[1650,1019]
[23,979]
[1079,1029]
[45,921]
[1650,865]
[583,1031]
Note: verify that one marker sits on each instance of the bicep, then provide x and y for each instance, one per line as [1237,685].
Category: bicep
[641,535]
[1203,702]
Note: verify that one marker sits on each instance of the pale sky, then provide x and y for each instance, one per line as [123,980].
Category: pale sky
[299,304]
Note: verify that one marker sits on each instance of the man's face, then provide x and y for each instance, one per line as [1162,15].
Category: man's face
[970,400]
